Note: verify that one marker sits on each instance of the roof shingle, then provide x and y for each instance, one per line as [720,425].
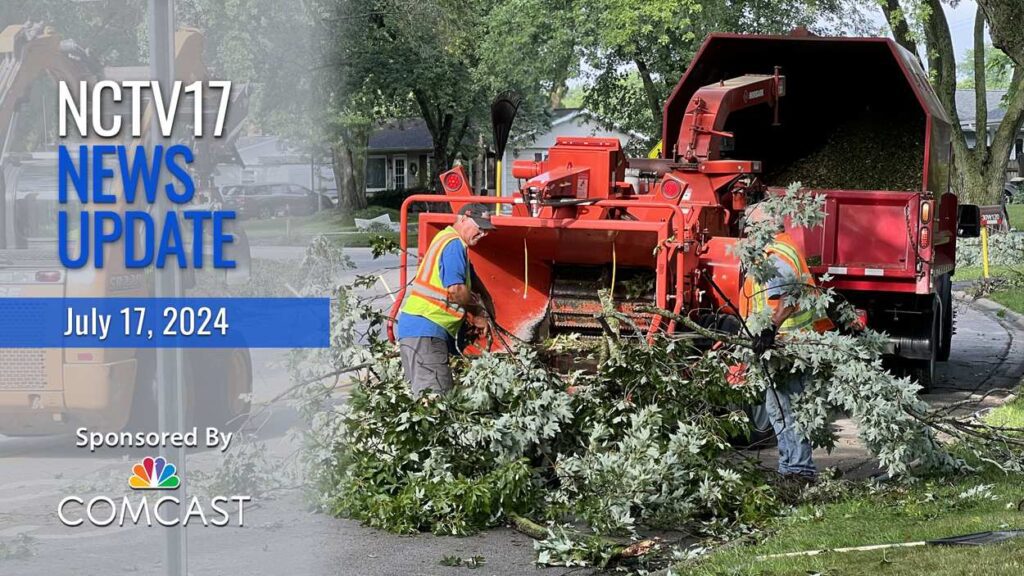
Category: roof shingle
[967,112]
[404,134]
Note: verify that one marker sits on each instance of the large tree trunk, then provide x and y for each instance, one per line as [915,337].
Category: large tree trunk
[439,124]
[651,91]
[982,169]
[440,165]
[1006,24]
[351,194]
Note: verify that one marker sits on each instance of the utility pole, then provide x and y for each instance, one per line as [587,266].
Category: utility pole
[170,392]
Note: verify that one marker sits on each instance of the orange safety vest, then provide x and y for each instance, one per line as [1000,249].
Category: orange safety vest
[755,298]
[428,296]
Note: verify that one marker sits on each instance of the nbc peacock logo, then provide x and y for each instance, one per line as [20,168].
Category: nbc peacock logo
[154,474]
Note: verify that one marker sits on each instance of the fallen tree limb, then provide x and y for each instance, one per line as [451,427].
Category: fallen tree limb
[528,527]
[613,551]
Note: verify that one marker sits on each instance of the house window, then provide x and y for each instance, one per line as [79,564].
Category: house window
[538,156]
[376,173]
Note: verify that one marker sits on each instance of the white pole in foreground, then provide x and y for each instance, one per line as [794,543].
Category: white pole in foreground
[170,393]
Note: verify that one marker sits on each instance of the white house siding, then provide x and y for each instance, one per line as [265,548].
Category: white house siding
[230,174]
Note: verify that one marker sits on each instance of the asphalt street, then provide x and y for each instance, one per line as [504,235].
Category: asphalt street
[282,536]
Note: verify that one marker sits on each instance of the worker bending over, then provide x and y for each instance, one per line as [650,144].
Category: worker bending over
[438,300]
[793,275]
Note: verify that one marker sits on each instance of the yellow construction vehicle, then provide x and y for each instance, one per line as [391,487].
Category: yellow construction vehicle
[49,391]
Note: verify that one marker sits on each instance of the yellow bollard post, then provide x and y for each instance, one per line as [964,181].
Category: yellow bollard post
[984,251]
[497,178]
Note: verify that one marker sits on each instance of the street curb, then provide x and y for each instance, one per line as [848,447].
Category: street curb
[1002,312]
[1009,319]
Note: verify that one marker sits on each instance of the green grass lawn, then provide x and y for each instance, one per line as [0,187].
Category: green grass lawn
[1012,299]
[932,509]
[1016,212]
[301,228]
[974,272]
[1010,415]
[327,221]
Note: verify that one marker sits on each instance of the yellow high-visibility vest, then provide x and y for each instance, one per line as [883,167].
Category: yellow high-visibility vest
[755,296]
[427,295]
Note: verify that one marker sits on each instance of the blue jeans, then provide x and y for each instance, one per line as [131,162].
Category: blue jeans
[794,449]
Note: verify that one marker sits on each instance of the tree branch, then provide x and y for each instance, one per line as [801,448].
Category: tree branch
[898,24]
[424,105]
[942,58]
[1002,140]
[650,90]
[457,142]
[980,89]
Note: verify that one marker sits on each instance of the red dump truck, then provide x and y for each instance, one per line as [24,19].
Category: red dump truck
[853,119]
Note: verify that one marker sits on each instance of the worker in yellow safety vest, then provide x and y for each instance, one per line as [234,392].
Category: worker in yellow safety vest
[793,275]
[437,302]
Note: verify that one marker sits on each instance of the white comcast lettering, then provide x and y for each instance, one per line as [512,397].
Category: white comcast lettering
[139,511]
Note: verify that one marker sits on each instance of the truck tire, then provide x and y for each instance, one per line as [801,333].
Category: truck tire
[218,377]
[944,291]
[211,378]
[144,415]
[924,370]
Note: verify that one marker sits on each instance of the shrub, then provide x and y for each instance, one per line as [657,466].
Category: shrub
[393,198]
[1004,249]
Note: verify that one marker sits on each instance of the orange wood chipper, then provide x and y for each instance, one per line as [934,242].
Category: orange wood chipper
[749,114]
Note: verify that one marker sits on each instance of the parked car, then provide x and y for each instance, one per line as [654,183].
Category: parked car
[1013,191]
[271,200]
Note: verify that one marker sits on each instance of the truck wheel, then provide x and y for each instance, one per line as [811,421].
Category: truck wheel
[144,415]
[217,379]
[213,379]
[924,370]
[944,290]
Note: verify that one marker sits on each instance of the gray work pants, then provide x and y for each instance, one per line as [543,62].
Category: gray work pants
[425,362]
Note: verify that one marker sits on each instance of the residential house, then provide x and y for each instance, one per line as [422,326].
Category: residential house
[566,122]
[272,160]
[966,110]
[399,156]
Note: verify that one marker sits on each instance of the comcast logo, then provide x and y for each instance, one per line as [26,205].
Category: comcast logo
[154,474]
[147,509]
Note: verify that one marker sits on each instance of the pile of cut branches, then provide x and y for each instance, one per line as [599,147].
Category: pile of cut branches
[643,441]
[862,154]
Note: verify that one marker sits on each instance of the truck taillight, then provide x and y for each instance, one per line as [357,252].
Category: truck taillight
[48,276]
[862,317]
[926,237]
[926,212]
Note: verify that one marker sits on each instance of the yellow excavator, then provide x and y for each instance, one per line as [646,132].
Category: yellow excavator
[52,391]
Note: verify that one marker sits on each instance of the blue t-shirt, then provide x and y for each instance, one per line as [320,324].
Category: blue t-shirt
[454,270]
[785,282]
